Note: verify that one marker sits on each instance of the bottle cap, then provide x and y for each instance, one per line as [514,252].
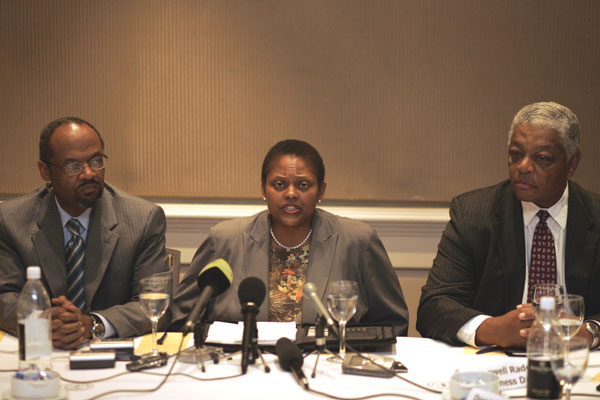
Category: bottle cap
[547,303]
[34,272]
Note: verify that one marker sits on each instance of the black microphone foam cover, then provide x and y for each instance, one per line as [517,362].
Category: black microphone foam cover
[288,353]
[217,274]
[252,290]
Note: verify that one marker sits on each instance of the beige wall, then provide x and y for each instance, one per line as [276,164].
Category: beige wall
[408,101]
[412,281]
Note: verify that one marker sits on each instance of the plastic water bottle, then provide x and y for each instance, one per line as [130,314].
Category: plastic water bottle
[541,382]
[34,324]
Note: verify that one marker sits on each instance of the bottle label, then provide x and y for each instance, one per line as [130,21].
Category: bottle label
[541,382]
[21,336]
[35,343]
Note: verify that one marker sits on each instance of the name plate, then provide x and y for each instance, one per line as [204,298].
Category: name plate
[512,374]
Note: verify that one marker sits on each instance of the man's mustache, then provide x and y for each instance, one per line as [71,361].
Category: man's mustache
[87,182]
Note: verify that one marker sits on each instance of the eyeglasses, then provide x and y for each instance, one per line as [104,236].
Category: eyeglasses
[74,168]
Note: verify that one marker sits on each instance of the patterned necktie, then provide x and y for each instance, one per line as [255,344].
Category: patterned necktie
[74,255]
[542,264]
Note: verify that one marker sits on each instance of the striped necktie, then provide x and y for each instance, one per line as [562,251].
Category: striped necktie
[542,264]
[75,255]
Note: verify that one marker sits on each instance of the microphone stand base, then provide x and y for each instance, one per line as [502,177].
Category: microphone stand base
[260,357]
[198,355]
[319,352]
[264,363]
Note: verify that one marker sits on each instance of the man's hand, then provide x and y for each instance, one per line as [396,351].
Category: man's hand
[70,327]
[508,330]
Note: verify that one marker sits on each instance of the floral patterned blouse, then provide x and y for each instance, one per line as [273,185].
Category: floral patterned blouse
[287,276]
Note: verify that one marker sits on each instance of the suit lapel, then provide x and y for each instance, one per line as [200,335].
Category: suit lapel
[581,242]
[511,245]
[100,244]
[256,263]
[320,263]
[48,243]
[322,252]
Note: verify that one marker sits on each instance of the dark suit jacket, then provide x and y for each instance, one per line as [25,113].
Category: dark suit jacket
[340,248]
[125,242]
[480,264]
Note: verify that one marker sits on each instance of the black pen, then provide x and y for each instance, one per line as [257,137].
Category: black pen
[488,349]
[162,338]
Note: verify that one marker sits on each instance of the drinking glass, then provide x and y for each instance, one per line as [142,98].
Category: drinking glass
[166,275]
[568,359]
[545,289]
[154,299]
[570,313]
[461,383]
[342,297]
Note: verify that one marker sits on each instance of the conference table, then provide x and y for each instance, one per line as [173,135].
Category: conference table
[430,364]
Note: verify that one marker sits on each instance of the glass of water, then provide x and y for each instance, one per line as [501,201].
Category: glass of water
[342,297]
[570,310]
[568,359]
[154,299]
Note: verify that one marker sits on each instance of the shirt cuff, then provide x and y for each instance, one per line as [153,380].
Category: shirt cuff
[467,332]
[109,329]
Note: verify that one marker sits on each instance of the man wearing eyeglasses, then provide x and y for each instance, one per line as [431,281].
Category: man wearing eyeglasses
[92,241]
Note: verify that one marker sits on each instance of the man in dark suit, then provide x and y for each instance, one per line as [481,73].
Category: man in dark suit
[93,242]
[479,288]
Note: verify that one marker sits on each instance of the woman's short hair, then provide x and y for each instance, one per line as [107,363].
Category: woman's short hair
[298,148]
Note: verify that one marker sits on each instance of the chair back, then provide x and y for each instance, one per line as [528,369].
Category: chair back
[174,259]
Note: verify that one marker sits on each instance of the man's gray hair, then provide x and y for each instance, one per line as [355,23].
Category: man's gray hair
[554,116]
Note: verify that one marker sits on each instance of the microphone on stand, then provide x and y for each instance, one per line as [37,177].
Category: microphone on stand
[310,290]
[213,279]
[251,294]
[290,359]
[320,340]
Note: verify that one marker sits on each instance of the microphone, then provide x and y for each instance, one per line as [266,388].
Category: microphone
[290,359]
[310,290]
[213,280]
[251,294]
[320,341]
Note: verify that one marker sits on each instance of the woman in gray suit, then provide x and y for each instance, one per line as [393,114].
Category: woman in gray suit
[293,242]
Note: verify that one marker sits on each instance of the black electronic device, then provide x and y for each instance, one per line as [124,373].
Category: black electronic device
[147,362]
[360,337]
[366,365]
[92,359]
[122,347]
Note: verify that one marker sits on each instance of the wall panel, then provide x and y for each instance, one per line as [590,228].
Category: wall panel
[408,101]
